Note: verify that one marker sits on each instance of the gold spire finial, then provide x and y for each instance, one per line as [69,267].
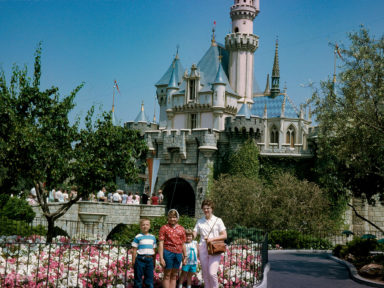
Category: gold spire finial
[177,51]
[142,106]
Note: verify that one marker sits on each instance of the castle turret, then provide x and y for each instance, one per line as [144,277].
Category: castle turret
[242,44]
[172,88]
[275,90]
[162,84]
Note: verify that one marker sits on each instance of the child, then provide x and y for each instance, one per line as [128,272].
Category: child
[144,255]
[190,262]
[171,248]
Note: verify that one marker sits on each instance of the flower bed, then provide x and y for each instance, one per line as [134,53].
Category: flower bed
[29,262]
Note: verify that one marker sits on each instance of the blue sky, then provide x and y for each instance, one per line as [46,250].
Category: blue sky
[134,42]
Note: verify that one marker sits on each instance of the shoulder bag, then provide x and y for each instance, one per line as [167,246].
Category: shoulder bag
[216,247]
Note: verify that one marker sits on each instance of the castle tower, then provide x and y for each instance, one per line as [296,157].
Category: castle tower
[275,90]
[242,44]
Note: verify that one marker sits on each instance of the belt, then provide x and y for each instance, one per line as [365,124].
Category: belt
[145,256]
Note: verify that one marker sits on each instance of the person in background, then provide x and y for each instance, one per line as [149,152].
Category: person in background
[144,255]
[130,198]
[101,195]
[137,197]
[154,199]
[65,196]
[171,248]
[59,196]
[92,197]
[51,196]
[144,198]
[116,198]
[124,198]
[161,196]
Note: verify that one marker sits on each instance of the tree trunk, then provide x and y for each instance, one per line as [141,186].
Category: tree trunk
[365,219]
[51,228]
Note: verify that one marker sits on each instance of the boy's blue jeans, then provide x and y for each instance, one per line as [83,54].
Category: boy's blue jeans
[143,267]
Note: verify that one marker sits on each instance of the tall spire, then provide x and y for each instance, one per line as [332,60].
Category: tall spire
[276,73]
[172,81]
[267,90]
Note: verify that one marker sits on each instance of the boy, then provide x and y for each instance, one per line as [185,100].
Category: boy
[190,262]
[144,255]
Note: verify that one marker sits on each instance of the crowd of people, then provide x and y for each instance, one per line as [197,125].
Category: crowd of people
[123,197]
[119,196]
[176,248]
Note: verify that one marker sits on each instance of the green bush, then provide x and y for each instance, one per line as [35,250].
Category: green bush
[336,251]
[18,209]
[124,234]
[11,227]
[360,248]
[239,232]
[291,239]
[3,200]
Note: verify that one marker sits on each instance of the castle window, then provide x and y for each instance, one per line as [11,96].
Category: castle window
[274,135]
[290,139]
[193,119]
[192,90]
[236,29]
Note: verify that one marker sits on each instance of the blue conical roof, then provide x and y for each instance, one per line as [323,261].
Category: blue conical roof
[220,77]
[141,117]
[179,70]
[172,81]
[244,111]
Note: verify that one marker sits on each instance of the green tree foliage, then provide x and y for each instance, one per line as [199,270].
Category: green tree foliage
[103,152]
[18,209]
[245,161]
[351,121]
[40,148]
[286,203]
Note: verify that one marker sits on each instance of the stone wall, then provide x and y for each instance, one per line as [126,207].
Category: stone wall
[374,213]
[97,219]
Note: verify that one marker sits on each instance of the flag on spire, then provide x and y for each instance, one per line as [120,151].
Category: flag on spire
[117,87]
[338,51]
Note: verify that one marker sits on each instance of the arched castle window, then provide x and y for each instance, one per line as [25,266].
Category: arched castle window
[236,29]
[244,132]
[193,121]
[290,138]
[274,135]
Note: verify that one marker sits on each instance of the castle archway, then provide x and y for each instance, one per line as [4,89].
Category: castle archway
[179,195]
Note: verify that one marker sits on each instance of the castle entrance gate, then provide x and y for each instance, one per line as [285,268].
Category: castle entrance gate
[179,195]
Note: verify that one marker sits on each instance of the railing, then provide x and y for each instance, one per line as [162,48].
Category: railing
[30,263]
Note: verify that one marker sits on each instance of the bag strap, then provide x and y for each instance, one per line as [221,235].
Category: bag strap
[217,218]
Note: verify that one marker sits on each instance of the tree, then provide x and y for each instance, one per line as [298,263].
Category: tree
[245,161]
[350,119]
[286,203]
[39,147]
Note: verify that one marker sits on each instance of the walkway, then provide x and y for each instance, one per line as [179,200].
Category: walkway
[300,270]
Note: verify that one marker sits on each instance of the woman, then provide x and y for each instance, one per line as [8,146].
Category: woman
[171,248]
[210,228]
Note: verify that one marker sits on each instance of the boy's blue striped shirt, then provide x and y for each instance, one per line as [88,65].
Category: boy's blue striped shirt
[145,244]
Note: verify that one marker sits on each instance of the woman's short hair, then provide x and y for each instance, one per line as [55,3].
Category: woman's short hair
[208,202]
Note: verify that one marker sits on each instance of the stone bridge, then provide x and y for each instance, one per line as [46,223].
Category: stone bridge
[95,220]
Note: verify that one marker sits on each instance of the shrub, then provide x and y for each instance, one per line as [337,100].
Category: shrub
[336,251]
[18,209]
[11,227]
[360,248]
[291,239]
[239,232]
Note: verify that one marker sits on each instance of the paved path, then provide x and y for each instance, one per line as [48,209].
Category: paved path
[298,270]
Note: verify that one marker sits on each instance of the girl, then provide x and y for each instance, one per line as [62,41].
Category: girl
[190,262]
[171,248]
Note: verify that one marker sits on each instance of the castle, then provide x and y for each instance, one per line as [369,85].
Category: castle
[213,107]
